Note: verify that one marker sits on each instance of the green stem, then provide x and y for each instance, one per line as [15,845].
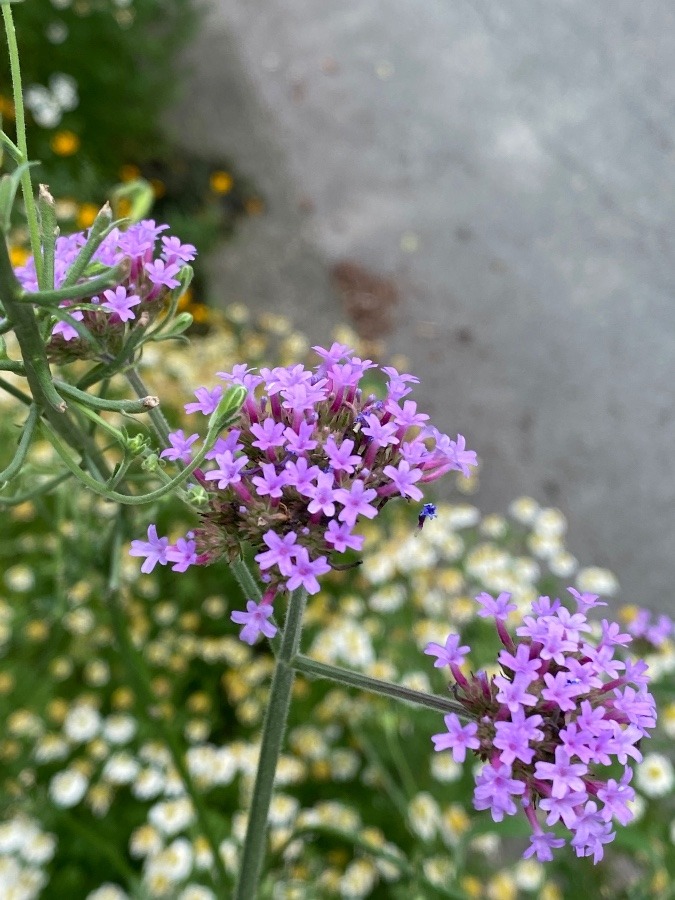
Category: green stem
[405,774]
[20,121]
[157,417]
[276,716]
[141,679]
[24,444]
[52,297]
[145,405]
[316,669]
[223,416]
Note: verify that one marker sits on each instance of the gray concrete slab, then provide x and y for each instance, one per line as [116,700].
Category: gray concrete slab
[511,167]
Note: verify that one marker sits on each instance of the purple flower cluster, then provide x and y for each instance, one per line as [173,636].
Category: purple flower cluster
[561,708]
[309,457]
[138,298]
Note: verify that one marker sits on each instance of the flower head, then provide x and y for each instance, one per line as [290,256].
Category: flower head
[561,707]
[310,457]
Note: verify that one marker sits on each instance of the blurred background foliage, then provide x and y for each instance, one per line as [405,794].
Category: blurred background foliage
[98,76]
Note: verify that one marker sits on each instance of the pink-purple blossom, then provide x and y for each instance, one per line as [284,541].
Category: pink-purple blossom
[562,709]
[311,456]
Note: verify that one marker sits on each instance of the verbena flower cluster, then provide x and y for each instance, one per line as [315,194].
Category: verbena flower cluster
[153,272]
[310,456]
[561,707]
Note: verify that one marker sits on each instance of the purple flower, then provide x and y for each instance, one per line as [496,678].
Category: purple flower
[255,621]
[457,737]
[154,549]
[494,790]
[382,434]
[340,457]
[542,845]
[451,654]
[182,553]
[339,535]
[356,502]
[304,571]
[228,471]
[161,273]
[208,400]
[65,329]
[119,303]
[300,439]
[521,663]
[173,250]
[281,551]
[322,495]
[513,737]
[269,434]
[563,774]
[404,479]
[271,482]
[499,608]
[180,446]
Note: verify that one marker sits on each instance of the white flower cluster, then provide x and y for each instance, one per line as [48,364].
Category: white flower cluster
[47,104]
[24,849]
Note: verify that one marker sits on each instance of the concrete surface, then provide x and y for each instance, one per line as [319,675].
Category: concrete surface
[510,167]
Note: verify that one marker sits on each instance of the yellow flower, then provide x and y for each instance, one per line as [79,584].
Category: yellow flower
[129,172]
[6,108]
[221,182]
[86,214]
[65,143]
[18,255]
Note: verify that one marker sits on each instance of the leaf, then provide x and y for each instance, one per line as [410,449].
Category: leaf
[9,185]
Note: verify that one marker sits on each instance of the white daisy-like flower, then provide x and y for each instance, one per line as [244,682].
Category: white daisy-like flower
[529,874]
[145,841]
[196,892]
[82,723]
[596,580]
[172,816]
[121,768]
[524,510]
[38,847]
[175,861]
[359,879]
[149,784]
[50,747]
[119,728]
[108,891]
[67,788]
[654,776]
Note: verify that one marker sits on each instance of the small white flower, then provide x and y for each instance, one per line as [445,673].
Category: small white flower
[529,874]
[524,510]
[172,816]
[64,91]
[38,848]
[359,878]
[654,775]
[196,892]
[119,728]
[108,891]
[597,581]
[67,788]
[82,723]
[50,747]
[145,841]
[424,816]
[175,861]
[149,783]
[121,768]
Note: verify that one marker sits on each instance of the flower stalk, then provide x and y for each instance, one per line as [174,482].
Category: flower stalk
[273,734]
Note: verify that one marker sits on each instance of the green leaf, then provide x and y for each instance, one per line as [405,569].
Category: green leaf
[9,185]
